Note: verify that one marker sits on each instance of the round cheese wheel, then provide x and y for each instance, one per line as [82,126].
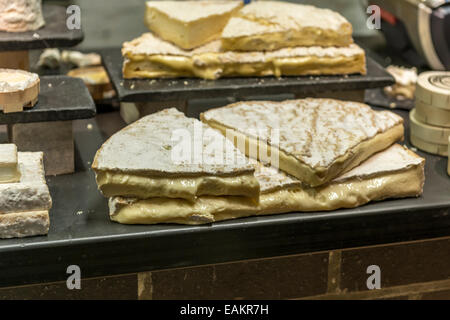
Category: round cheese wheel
[433,88]
[431,115]
[426,132]
[439,149]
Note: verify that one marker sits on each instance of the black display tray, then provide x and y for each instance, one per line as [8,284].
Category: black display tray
[54,34]
[82,234]
[61,98]
[133,90]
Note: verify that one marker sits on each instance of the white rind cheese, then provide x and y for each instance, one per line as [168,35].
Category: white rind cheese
[21,15]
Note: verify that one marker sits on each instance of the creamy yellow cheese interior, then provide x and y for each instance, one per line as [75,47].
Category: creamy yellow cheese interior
[213,66]
[143,187]
[9,174]
[192,32]
[319,175]
[347,194]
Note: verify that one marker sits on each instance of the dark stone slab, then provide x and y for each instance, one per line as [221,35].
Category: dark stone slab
[53,34]
[377,97]
[132,90]
[61,98]
[81,232]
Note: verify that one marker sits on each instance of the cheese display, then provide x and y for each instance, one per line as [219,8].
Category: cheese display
[316,139]
[169,155]
[18,89]
[151,57]
[24,204]
[405,83]
[9,171]
[189,24]
[272,25]
[21,15]
[393,173]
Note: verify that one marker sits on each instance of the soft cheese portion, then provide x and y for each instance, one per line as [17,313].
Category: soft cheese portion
[21,15]
[146,160]
[318,139]
[24,224]
[9,171]
[31,192]
[151,57]
[375,179]
[271,25]
[189,24]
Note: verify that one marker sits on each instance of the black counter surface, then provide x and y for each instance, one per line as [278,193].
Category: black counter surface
[82,234]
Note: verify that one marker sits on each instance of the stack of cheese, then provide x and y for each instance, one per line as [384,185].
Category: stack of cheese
[331,154]
[214,38]
[24,196]
[430,120]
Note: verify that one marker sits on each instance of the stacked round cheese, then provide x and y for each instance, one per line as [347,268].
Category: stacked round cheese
[430,120]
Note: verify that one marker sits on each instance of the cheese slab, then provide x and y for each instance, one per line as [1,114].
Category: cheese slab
[167,154]
[315,140]
[21,15]
[189,24]
[31,192]
[9,171]
[24,224]
[393,173]
[18,89]
[272,25]
[151,57]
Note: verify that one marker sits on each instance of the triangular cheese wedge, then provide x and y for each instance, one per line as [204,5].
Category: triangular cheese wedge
[189,24]
[316,139]
[167,154]
[272,25]
[393,173]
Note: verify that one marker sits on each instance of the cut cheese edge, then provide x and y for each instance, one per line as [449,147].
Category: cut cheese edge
[9,171]
[151,57]
[392,173]
[31,192]
[272,25]
[309,144]
[189,24]
[167,154]
[24,224]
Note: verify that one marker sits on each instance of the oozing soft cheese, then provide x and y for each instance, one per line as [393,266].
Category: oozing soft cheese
[189,24]
[167,154]
[393,173]
[150,57]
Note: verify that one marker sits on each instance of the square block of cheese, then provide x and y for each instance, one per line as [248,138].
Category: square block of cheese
[314,140]
[8,164]
[189,24]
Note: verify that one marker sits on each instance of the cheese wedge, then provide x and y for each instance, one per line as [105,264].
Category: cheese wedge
[393,173]
[18,89]
[272,25]
[189,24]
[315,140]
[151,57]
[24,224]
[9,171]
[31,192]
[169,155]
